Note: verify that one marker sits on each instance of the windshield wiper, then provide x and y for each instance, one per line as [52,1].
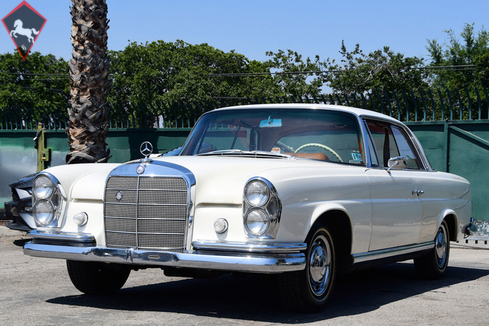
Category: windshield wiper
[238,152]
[221,152]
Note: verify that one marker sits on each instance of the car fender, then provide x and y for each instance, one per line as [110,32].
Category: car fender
[358,216]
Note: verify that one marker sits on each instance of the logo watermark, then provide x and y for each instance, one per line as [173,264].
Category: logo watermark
[24,24]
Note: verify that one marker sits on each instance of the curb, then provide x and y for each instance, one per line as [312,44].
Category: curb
[478,243]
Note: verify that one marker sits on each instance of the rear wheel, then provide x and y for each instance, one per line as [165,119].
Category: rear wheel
[433,264]
[309,289]
[97,278]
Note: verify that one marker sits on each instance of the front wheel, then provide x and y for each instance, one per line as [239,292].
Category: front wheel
[309,289]
[97,278]
[433,264]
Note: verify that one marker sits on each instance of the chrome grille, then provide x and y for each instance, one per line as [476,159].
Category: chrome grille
[149,212]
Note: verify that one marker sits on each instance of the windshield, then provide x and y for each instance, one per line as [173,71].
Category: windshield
[302,133]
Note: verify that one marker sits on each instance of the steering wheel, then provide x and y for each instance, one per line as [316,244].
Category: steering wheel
[321,146]
[283,147]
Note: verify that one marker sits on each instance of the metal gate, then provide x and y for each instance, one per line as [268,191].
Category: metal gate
[462,148]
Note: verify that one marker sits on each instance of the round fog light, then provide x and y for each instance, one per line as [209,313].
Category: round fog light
[81,218]
[221,225]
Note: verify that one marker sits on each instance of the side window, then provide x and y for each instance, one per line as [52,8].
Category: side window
[406,148]
[391,141]
[373,154]
[383,140]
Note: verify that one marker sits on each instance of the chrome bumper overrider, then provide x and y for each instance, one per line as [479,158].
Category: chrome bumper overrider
[470,229]
[242,257]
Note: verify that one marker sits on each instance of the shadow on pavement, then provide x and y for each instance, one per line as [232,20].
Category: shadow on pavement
[254,298]
[21,242]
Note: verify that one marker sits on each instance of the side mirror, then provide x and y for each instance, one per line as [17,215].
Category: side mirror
[396,163]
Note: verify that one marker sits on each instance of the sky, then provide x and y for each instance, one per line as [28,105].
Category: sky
[253,27]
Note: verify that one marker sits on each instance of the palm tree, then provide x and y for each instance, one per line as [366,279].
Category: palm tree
[89,69]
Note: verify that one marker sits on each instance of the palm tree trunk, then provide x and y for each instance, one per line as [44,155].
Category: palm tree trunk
[89,70]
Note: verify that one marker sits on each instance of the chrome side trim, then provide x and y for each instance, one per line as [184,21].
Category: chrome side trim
[255,247]
[391,252]
[239,262]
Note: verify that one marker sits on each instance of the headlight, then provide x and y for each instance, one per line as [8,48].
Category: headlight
[43,212]
[48,200]
[261,209]
[43,187]
[257,193]
[257,222]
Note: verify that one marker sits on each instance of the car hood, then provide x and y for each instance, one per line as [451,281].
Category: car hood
[221,179]
[218,179]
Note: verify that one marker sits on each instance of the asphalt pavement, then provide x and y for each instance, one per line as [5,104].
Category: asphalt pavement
[37,291]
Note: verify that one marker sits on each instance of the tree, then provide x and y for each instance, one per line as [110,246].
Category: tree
[472,50]
[382,70]
[295,76]
[173,71]
[39,81]
[89,69]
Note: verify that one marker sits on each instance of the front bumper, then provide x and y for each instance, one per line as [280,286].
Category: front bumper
[259,257]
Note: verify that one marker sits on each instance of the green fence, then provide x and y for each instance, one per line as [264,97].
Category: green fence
[427,105]
[452,126]
[18,155]
[460,147]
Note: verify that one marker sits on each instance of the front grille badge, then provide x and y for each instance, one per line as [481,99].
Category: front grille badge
[140,169]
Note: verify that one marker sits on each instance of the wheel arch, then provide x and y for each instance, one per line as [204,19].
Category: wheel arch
[338,223]
[452,221]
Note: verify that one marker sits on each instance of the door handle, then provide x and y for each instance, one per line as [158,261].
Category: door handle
[417,192]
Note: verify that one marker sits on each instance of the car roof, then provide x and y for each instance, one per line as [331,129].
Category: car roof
[356,111]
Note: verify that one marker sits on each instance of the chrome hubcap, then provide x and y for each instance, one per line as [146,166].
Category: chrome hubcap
[441,246]
[319,265]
